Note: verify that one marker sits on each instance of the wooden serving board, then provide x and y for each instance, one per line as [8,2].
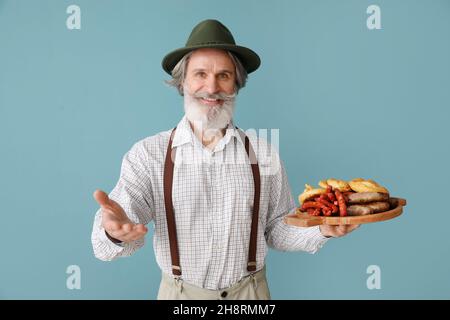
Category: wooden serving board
[301,219]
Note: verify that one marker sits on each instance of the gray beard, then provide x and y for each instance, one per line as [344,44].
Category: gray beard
[217,117]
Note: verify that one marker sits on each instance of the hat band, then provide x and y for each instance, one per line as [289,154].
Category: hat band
[212,42]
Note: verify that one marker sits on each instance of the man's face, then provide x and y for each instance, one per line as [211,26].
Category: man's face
[210,71]
[209,88]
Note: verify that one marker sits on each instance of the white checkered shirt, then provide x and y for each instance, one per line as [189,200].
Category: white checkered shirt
[212,199]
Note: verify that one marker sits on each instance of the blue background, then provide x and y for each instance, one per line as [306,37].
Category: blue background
[349,102]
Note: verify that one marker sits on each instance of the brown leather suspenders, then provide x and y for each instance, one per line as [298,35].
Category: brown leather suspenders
[251,265]
[170,215]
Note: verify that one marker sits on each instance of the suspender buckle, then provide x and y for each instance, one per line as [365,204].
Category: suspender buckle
[176,270]
[179,282]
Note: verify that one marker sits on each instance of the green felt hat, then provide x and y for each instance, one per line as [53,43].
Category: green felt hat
[212,34]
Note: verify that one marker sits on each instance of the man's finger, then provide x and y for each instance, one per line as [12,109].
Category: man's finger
[353,227]
[140,228]
[121,232]
[111,225]
[138,232]
[347,228]
[102,198]
[135,235]
[119,229]
[341,229]
[127,227]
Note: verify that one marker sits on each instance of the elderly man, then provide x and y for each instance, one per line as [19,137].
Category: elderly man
[216,196]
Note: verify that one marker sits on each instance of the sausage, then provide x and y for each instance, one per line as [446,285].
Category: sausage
[313,212]
[346,194]
[331,206]
[341,202]
[366,197]
[312,204]
[358,210]
[368,208]
[379,206]
[331,196]
[326,211]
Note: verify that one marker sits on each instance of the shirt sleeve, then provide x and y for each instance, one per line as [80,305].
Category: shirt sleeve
[133,192]
[280,235]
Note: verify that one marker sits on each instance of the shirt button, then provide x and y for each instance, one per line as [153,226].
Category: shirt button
[224,294]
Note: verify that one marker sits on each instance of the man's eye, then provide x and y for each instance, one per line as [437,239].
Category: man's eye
[201,74]
[223,76]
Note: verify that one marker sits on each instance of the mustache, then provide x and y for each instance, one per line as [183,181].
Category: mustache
[220,95]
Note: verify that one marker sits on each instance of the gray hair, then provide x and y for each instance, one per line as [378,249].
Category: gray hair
[179,72]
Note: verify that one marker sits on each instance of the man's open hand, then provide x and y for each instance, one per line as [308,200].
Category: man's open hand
[115,220]
[337,231]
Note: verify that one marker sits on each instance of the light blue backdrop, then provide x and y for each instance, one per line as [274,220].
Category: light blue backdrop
[349,102]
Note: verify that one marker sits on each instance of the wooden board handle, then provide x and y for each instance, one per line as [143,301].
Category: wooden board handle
[314,221]
[307,220]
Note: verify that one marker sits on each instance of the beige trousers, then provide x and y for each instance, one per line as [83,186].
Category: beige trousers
[252,287]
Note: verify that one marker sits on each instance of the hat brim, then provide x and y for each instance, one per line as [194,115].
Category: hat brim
[249,59]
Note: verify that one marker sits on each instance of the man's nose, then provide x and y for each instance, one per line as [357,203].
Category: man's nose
[211,85]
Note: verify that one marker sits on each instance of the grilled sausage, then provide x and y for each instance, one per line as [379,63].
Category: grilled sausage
[358,210]
[366,197]
[379,206]
[341,203]
[368,208]
[313,204]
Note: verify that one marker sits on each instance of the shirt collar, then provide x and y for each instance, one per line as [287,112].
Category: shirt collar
[184,134]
